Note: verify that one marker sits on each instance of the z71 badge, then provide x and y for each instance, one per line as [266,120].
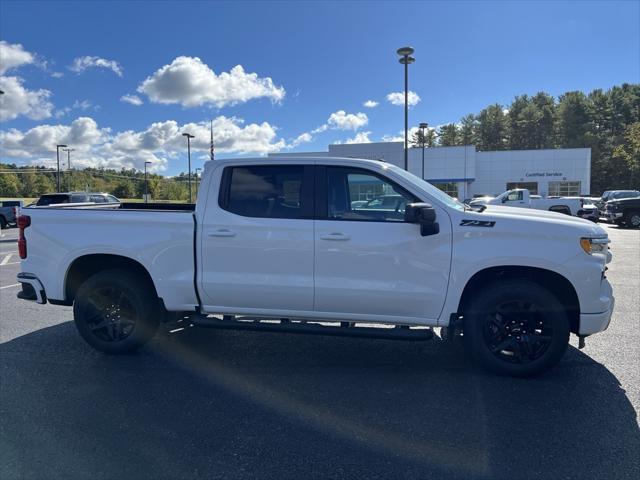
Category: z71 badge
[477,223]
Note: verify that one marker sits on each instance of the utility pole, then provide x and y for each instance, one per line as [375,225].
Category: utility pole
[69,150]
[189,137]
[58,147]
[406,59]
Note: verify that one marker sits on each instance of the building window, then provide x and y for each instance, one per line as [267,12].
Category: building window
[564,189]
[531,186]
[450,188]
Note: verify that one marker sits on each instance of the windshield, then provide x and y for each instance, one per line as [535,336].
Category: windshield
[433,191]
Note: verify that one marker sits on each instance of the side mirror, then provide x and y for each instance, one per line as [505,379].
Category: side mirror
[504,199]
[424,215]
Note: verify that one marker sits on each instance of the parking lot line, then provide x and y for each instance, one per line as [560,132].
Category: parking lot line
[6,259]
[9,286]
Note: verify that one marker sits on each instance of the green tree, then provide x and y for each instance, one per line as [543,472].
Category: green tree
[418,140]
[9,185]
[629,153]
[449,135]
[492,128]
[469,130]
[573,120]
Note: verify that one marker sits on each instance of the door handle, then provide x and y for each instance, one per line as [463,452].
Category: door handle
[223,232]
[335,236]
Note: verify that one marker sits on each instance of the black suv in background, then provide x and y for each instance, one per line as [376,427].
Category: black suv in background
[75,197]
[624,212]
[610,195]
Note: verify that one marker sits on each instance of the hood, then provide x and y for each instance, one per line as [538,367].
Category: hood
[499,212]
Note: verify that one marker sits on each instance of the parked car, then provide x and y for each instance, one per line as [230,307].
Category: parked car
[615,195]
[521,198]
[75,197]
[9,211]
[624,212]
[277,239]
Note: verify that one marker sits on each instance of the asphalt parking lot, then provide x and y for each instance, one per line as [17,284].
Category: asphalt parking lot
[215,404]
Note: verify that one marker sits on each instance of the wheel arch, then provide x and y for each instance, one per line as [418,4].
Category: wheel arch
[556,283]
[85,266]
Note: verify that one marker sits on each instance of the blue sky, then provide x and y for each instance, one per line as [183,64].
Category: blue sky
[311,60]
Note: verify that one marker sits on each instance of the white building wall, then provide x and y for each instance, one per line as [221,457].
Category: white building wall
[475,172]
[495,169]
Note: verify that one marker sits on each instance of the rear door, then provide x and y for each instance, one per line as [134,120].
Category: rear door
[257,240]
[368,261]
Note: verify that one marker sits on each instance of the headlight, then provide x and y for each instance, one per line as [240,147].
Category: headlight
[594,245]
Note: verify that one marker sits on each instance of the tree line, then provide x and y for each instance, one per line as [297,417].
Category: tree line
[31,182]
[607,121]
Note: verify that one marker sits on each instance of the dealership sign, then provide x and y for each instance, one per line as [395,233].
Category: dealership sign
[543,174]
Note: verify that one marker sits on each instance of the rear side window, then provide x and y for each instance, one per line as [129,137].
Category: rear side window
[267,191]
[79,198]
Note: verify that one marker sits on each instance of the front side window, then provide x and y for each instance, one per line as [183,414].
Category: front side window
[355,194]
[269,191]
[98,199]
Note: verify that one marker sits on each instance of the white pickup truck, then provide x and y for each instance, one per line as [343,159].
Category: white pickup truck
[521,198]
[278,244]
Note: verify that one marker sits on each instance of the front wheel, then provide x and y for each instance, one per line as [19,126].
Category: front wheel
[516,328]
[116,311]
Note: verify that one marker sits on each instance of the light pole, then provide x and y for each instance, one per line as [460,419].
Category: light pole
[146,185]
[197,180]
[69,150]
[189,137]
[58,147]
[424,140]
[406,59]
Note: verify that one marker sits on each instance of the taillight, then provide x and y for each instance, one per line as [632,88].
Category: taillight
[23,222]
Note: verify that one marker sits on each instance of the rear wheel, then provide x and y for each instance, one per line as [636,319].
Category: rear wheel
[3,223]
[632,219]
[116,311]
[517,328]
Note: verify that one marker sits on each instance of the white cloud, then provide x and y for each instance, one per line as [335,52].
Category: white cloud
[305,137]
[370,104]
[18,100]
[191,83]
[77,105]
[400,136]
[80,64]
[361,137]
[397,98]
[131,99]
[161,142]
[57,74]
[13,55]
[342,120]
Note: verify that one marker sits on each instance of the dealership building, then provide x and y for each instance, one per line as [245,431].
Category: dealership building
[463,171]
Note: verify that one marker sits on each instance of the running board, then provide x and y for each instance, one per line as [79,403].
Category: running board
[346,329]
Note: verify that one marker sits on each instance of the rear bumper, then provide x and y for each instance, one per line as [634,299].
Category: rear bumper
[32,289]
[591,323]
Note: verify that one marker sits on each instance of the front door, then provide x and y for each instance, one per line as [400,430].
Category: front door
[257,240]
[368,260]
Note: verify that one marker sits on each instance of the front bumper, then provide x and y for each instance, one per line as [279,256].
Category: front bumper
[591,323]
[32,289]
[613,216]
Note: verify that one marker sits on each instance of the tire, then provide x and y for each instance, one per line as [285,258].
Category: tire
[3,223]
[632,219]
[116,311]
[516,328]
[560,209]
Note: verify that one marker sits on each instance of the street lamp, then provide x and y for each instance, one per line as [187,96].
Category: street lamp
[58,147]
[197,180]
[69,150]
[423,126]
[405,59]
[146,185]
[189,137]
